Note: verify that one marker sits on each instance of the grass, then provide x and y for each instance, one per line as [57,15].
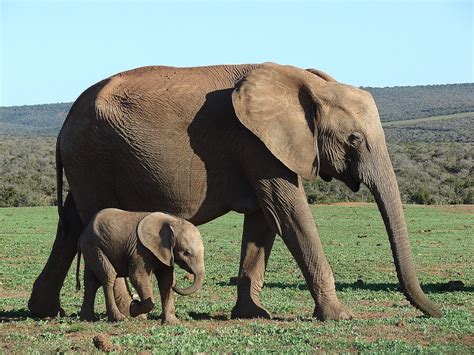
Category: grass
[355,244]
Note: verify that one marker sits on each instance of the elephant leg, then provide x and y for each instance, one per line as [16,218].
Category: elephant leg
[91,285]
[113,313]
[142,283]
[165,283]
[295,223]
[44,299]
[283,202]
[123,296]
[107,275]
[257,243]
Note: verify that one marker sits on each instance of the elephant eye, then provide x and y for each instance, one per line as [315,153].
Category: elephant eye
[356,139]
[186,253]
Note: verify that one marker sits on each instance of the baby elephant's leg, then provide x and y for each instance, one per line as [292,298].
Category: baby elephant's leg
[113,313]
[123,296]
[141,281]
[106,274]
[165,284]
[91,284]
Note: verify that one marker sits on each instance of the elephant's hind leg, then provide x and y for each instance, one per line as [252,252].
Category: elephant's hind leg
[257,243]
[44,299]
[106,274]
[91,285]
[123,296]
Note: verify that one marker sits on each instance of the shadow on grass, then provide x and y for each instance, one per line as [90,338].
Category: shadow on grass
[439,287]
[226,317]
[21,314]
[14,315]
[208,316]
[193,315]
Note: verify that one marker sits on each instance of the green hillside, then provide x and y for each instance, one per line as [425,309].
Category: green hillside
[41,120]
[407,102]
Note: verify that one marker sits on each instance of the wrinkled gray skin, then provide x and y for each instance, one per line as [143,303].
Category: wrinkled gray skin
[118,243]
[199,142]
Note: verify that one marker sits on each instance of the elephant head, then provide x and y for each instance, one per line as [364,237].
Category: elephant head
[315,125]
[173,240]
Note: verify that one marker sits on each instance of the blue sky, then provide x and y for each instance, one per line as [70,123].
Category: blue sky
[53,50]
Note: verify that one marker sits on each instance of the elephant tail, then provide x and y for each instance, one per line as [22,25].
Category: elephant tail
[78,281]
[59,179]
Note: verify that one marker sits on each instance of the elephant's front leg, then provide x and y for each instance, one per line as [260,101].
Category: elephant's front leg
[257,243]
[283,201]
[165,283]
[141,280]
[122,295]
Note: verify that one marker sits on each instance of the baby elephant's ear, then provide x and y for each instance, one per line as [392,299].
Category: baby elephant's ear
[156,234]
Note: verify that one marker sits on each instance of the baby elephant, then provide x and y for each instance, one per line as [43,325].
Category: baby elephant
[117,243]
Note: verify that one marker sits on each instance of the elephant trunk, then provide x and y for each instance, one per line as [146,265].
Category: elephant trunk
[197,284]
[381,181]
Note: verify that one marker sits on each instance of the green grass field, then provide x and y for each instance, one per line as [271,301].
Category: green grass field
[356,246]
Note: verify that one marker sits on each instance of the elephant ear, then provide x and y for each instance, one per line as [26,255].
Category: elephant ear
[274,102]
[157,235]
[322,75]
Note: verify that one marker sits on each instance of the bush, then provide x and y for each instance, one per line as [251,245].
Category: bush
[421,196]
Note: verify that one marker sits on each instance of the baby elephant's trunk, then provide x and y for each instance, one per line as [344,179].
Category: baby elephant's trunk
[197,284]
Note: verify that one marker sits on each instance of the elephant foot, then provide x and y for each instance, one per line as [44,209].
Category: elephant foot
[135,309]
[333,310]
[116,317]
[249,310]
[44,303]
[170,320]
[88,316]
[138,308]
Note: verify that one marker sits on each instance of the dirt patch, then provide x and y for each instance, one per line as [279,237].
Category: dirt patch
[4,293]
[103,343]
[408,332]
[373,315]
[445,269]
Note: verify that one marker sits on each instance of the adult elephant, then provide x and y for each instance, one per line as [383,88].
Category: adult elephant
[199,142]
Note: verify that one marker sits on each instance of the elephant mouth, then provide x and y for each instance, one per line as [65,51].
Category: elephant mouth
[325,177]
[350,177]
[350,181]
[184,266]
[353,185]
[346,178]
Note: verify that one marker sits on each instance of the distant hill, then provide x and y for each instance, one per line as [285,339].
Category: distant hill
[394,103]
[407,102]
[33,120]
